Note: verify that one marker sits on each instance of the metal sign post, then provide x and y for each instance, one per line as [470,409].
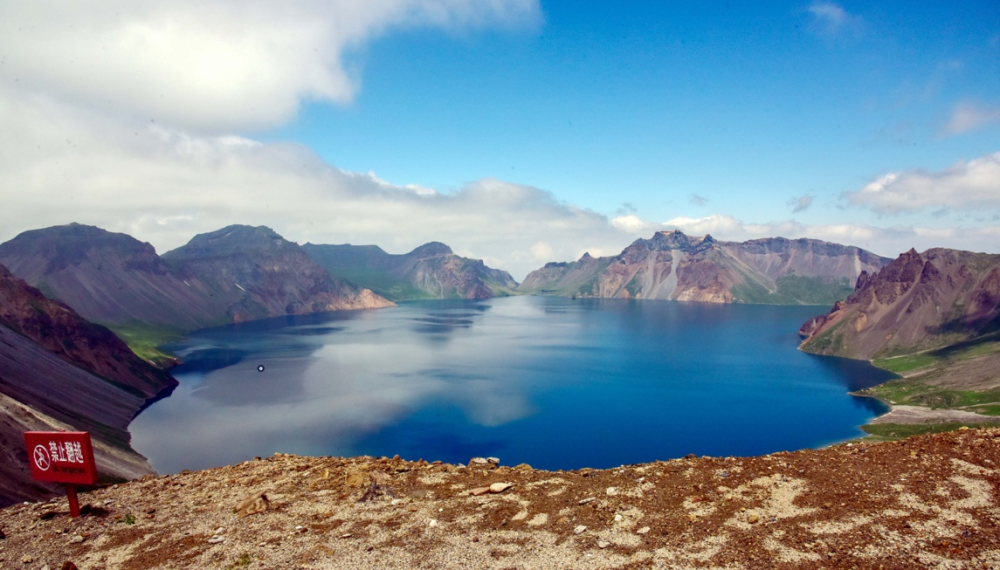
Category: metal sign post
[62,457]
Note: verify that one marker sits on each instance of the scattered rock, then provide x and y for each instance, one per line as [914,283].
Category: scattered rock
[78,539]
[587,500]
[217,539]
[619,518]
[220,530]
[753,519]
[579,529]
[643,530]
[26,559]
[479,491]
[375,491]
[68,566]
[346,535]
[356,478]
[602,544]
[499,487]
[433,523]
[493,460]
[2,535]
[253,506]
[612,491]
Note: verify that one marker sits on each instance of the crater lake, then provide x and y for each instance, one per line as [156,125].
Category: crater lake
[556,383]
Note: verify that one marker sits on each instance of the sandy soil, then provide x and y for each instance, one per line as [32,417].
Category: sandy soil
[929,501]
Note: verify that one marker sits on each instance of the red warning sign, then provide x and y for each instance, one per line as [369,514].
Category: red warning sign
[61,457]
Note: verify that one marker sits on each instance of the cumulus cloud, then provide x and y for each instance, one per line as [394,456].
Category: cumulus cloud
[970,117]
[830,18]
[164,186]
[801,204]
[214,65]
[966,185]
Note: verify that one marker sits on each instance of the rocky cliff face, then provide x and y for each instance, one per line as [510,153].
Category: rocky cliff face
[58,371]
[431,271]
[674,266]
[237,273]
[919,301]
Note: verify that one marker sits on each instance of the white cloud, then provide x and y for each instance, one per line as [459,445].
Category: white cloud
[966,185]
[830,18]
[970,117]
[213,65]
[164,186]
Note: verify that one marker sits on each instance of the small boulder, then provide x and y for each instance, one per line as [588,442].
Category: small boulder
[602,544]
[68,566]
[78,539]
[499,487]
[253,506]
[356,478]
[217,539]
[479,491]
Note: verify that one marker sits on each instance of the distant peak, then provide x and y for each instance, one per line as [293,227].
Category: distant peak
[586,255]
[431,249]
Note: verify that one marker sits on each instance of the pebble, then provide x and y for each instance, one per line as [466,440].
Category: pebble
[643,530]
[619,518]
[27,559]
[603,544]
[220,530]
[612,490]
[432,523]
[499,487]
[78,539]
[109,501]
[752,519]
[588,500]
[346,535]
[579,529]
[216,540]
[479,491]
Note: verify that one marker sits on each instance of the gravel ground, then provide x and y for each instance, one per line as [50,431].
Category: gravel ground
[929,501]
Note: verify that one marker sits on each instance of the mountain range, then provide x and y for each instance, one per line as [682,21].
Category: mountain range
[234,274]
[674,266]
[431,271]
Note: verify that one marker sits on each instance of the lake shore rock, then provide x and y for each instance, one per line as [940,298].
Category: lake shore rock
[925,501]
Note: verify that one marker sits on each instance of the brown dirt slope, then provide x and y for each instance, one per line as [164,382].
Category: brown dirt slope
[60,330]
[918,302]
[929,501]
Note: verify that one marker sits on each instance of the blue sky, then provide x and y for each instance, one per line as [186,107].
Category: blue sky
[514,130]
[743,105]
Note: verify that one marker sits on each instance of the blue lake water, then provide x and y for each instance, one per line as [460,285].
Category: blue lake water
[555,383]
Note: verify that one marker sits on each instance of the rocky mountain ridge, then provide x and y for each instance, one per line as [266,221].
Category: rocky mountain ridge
[920,301]
[431,271]
[674,266]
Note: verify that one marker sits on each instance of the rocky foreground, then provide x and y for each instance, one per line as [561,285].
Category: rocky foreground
[929,501]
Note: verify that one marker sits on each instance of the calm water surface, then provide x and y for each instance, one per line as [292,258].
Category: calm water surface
[556,383]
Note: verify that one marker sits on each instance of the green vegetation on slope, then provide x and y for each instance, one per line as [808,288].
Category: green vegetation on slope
[145,341]
[793,290]
[892,432]
[910,392]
